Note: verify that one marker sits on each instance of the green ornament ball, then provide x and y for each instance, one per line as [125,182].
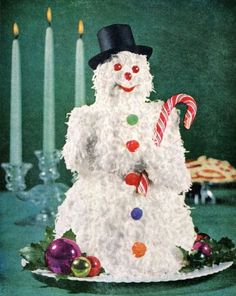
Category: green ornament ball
[81,267]
[132,119]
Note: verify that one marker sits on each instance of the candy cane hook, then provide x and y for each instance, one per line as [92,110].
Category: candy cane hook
[166,110]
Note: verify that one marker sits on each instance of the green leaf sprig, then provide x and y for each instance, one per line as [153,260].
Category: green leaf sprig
[223,250]
[34,253]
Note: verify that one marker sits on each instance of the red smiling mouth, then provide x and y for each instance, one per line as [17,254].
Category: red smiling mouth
[127,89]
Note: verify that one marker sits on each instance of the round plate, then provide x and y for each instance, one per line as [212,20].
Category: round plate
[105,278]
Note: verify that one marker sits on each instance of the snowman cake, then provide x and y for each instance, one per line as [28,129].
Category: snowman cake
[127,205]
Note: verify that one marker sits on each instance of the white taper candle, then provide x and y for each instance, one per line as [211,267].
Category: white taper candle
[80,95]
[49,92]
[16,117]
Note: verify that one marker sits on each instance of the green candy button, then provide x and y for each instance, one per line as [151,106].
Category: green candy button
[132,119]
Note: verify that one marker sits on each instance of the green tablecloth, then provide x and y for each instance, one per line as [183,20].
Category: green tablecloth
[217,220]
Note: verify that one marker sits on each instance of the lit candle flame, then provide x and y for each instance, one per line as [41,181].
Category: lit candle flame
[81,27]
[49,15]
[15,30]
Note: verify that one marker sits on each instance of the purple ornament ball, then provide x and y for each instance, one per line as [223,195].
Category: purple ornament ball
[60,254]
[197,246]
[206,249]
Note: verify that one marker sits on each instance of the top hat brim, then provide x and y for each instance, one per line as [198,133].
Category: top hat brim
[101,57]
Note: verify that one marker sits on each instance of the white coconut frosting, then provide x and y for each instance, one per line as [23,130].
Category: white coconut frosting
[98,206]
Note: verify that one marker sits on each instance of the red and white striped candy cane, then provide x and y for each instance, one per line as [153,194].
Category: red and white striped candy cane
[166,110]
[139,180]
[142,187]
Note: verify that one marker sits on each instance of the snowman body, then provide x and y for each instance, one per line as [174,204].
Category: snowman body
[100,205]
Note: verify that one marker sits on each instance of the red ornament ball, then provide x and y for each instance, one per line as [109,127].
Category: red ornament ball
[60,254]
[132,145]
[95,266]
[201,236]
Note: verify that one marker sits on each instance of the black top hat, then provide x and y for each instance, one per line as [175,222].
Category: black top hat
[116,38]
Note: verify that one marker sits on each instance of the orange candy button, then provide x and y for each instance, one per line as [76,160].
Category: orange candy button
[132,145]
[139,249]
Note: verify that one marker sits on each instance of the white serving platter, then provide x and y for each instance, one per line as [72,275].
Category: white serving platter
[106,278]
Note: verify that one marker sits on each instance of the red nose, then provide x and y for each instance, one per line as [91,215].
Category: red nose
[128,75]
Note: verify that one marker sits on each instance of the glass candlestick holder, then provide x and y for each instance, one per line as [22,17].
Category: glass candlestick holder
[201,193]
[48,195]
[15,176]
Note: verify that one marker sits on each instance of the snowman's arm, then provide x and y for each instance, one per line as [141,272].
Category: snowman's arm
[79,135]
[166,164]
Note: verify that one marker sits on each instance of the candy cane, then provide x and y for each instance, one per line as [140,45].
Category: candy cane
[142,187]
[139,180]
[166,110]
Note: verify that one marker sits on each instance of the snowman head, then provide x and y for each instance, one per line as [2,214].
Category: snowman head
[123,78]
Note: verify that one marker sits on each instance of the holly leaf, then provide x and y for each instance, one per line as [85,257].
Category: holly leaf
[48,238]
[61,277]
[223,250]
[34,255]
[102,270]
[70,235]
[49,234]
[184,253]
[29,266]
[226,242]
[187,269]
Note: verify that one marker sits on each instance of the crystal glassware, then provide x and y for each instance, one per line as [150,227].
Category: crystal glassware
[48,195]
[45,196]
[201,193]
[15,176]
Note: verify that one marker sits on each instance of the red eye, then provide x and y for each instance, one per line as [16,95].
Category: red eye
[117,67]
[135,69]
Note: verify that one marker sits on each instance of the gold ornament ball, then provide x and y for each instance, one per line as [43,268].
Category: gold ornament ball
[81,267]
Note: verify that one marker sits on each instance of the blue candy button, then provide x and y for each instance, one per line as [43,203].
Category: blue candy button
[136,213]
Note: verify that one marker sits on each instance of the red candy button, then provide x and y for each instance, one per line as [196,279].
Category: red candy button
[132,179]
[132,145]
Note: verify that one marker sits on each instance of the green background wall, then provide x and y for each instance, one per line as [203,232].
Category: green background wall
[194,51]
